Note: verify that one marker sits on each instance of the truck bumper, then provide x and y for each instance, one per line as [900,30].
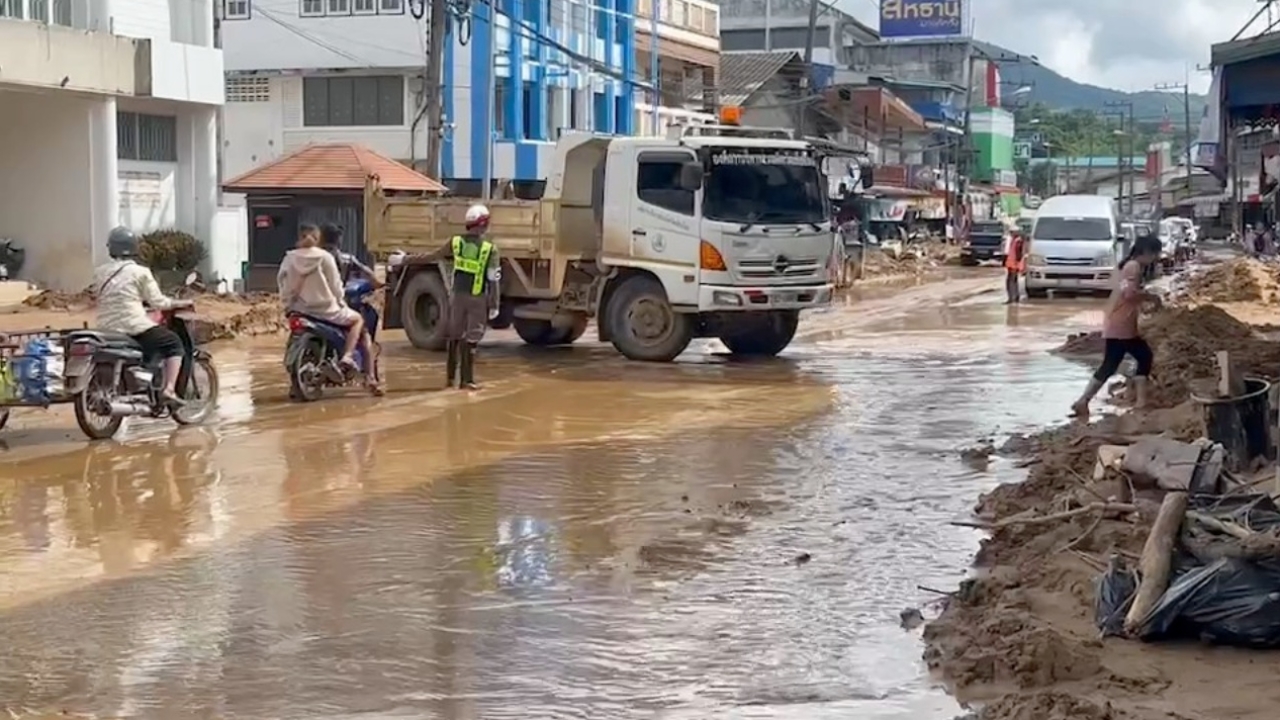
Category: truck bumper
[728,298]
[1070,278]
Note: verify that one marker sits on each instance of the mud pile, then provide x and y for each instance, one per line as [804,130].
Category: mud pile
[1020,639]
[58,300]
[1185,341]
[1238,280]
[913,259]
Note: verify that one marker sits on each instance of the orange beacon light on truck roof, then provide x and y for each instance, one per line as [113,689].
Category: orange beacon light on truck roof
[731,115]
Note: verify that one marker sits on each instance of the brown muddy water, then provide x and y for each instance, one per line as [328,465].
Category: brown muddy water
[586,537]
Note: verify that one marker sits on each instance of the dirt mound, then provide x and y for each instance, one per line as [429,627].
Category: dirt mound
[1239,280]
[1185,341]
[1087,343]
[913,259]
[1022,634]
[57,300]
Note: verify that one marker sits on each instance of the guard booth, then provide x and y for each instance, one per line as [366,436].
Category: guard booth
[316,184]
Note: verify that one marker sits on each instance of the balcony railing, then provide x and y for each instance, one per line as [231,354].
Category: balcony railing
[693,15]
[50,12]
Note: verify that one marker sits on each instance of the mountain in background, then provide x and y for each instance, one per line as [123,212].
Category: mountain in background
[1062,93]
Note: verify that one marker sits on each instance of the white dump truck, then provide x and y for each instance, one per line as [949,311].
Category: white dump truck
[714,231]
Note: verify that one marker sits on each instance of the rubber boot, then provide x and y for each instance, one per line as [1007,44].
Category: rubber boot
[469,367]
[452,347]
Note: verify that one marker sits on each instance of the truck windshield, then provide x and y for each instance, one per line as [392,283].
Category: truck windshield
[1072,228]
[761,186]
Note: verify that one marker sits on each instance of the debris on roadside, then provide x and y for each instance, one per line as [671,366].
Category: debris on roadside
[1237,280]
[1148,525]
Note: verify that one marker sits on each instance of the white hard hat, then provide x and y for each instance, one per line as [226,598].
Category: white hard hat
[477,214]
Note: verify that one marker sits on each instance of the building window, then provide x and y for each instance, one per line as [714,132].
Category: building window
[148,138]
[236,10]
[11,9]
[338,7]
[499,109]
[248,89]
[553,114]
[39,10]
[62,12]
[390,7]
[526,108]
[558,14]
[364,7]
[658,182]
[311,8]
[353,101]
[575,119]
[577,17]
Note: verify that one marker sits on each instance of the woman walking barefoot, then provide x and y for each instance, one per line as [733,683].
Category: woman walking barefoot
[1120,326]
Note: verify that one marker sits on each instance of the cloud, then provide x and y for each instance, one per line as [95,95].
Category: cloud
[1127,45]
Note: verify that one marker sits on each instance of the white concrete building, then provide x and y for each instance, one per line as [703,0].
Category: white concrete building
[108,115]
[351,71]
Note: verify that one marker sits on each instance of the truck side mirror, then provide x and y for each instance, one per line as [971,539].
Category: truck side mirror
[691,176]
[867,177]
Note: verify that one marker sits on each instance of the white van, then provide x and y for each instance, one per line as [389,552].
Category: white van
[1074,245]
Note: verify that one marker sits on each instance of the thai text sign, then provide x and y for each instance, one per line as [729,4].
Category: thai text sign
[920,18]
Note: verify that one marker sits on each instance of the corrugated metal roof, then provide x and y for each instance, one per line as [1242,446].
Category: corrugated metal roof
[1251,48]
[337,166]
[742,73]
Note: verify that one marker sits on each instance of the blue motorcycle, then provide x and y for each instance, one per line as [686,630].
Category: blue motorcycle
[313,357]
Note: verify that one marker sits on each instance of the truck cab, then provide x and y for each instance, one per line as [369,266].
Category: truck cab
[713,231]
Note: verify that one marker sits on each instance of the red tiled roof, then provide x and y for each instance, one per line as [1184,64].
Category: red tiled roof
[337,166]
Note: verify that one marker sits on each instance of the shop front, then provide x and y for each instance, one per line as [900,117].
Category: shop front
[1245,73]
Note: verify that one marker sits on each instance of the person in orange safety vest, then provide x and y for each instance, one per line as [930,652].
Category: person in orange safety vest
[1015,264]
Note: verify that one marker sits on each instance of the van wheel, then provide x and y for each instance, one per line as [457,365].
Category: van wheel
[1037,293]
[424,308]
[642,323]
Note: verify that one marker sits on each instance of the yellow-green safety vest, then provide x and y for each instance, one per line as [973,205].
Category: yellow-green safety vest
[466,259]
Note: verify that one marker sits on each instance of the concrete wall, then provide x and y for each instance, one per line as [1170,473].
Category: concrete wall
[46,203]
[39,55]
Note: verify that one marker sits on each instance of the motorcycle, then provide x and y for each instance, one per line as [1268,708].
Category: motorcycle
[110,378]
[313,357]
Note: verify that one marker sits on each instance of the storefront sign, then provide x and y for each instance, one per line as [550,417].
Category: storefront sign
[1006,178]
[882,210]
[920,18]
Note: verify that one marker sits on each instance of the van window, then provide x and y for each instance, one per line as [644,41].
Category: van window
[1072,228]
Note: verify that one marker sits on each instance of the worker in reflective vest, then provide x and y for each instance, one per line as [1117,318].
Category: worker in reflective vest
[475,297]
[1015,264]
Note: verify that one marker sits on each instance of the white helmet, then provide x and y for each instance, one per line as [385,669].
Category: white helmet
[477,216]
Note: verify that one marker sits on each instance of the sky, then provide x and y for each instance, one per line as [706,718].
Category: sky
[1123,44]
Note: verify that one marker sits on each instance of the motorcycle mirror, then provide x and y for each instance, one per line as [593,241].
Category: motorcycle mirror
[191,279]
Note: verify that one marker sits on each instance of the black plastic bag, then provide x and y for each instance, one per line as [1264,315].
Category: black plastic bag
[1230,602]
[1116,589]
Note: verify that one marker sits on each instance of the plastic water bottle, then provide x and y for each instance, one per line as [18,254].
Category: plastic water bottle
[54,367]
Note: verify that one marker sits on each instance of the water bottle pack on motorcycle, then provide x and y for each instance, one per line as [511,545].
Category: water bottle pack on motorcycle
[313,356]
[112,379]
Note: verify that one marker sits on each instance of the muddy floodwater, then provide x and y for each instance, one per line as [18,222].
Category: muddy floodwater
[586,537]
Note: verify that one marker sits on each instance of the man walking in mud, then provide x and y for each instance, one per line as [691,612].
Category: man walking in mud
[475,296]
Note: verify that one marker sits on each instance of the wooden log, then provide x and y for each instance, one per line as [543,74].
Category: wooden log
[1230,381]
[1226,527]
[1157,558]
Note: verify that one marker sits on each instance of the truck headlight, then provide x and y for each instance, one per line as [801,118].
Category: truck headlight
[1107,259]
[1036,260]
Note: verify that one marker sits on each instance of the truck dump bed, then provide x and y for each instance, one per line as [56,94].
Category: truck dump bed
[424,225]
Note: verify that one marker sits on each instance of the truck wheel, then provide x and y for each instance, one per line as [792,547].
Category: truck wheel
[968,261]
[643,325]
[543,333]
[766,338]
[424,308]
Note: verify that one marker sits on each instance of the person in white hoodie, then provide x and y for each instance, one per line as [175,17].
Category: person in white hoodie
[310,285]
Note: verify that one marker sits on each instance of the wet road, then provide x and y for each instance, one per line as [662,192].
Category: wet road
[585,538]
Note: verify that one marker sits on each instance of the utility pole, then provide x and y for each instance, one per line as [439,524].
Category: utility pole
[1186,114]
[433,82]
[1126,168]
[807,86]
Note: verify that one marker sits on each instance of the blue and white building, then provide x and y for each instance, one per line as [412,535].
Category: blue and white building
[305,71]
